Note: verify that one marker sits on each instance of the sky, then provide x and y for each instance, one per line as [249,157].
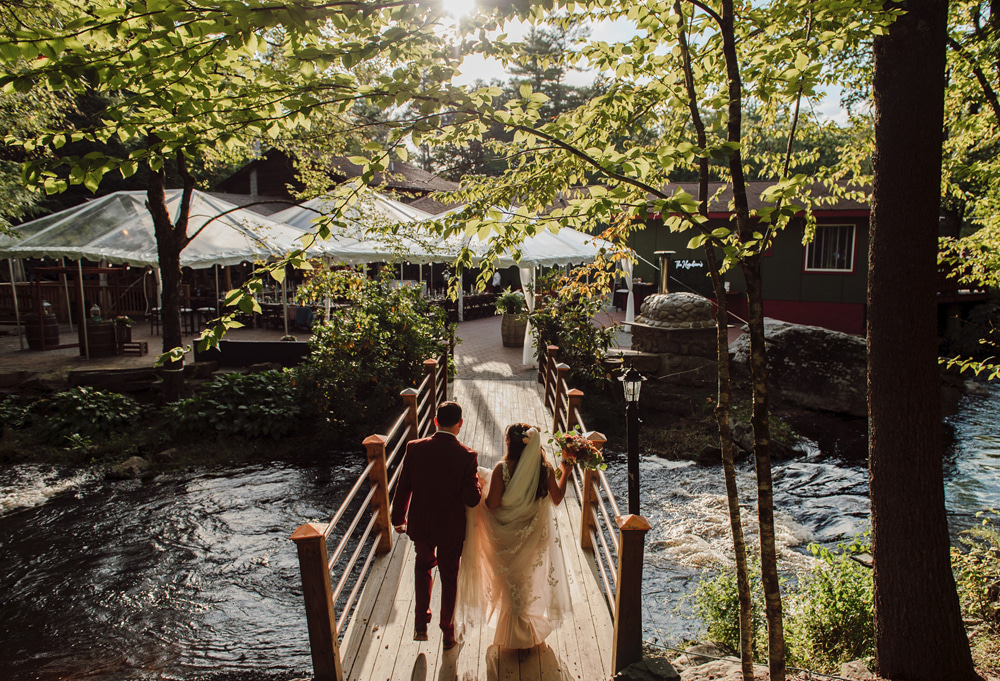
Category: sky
[477,68]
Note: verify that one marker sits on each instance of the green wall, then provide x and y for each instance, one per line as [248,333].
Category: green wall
[783,269]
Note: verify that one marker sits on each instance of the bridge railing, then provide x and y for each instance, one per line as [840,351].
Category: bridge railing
[326,583]
[616,541]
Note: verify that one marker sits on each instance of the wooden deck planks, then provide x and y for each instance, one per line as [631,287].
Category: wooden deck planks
[377,644]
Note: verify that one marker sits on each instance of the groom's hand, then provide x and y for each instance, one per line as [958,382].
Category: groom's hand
[400,529]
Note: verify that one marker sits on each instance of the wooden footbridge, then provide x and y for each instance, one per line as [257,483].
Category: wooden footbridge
[359,596]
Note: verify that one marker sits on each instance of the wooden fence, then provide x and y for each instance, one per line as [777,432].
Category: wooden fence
[319,571]
[618,556]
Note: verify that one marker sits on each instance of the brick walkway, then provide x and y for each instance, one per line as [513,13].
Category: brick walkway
[481,353]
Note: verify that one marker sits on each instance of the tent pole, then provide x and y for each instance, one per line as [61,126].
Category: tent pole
[17,312]
[69,304]
[218,307]
[420,274]
[284,301]
[83,308]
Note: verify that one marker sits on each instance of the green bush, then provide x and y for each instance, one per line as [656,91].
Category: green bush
[15,412]
[717,604]
[563,316]
[368,351]
[86,413]
[830,614]
[264,404]
[977,571]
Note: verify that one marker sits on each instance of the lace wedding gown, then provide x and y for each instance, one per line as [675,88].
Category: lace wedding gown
[512,570]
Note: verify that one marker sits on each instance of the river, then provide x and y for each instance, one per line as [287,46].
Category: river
[192,574]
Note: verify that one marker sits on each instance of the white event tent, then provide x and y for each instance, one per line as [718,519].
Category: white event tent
[118,229]
[354,241]
[356,237]
[544,249]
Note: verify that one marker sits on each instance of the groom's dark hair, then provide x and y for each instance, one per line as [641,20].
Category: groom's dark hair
[448,414]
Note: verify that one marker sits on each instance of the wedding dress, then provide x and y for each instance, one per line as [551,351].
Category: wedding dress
[512,571]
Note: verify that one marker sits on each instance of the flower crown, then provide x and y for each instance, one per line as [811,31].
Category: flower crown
[524,434]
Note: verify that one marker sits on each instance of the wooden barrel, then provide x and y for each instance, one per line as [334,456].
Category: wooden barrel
[101,339]
[512,330]
[49,331]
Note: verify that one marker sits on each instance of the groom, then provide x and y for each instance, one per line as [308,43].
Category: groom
[437,482]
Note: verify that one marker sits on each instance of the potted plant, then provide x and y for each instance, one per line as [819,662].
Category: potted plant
[123,331]
[511,305]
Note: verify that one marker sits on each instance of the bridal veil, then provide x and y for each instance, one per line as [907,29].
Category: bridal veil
[512,570]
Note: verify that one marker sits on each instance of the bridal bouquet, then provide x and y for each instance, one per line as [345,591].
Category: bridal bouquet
[578,450]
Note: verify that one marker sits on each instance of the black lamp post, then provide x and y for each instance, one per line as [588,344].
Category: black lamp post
[632,384]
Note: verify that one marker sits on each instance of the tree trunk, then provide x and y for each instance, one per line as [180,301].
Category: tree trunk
[918,622]
[759,419]
[729,469]
[725,387]
[169,244]
[750,265]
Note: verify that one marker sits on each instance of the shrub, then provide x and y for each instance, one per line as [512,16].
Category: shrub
[368,351]
[87,413]
[563,316]
[717,604]
[977,571]
[831,612]
[15,412]
[263,404]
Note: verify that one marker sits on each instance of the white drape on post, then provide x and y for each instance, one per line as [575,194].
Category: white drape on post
[627,265]
[528,286]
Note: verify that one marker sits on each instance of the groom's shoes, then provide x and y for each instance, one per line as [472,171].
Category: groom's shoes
[449,642]
[420,634]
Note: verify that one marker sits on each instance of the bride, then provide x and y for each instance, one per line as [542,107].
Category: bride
[512,567]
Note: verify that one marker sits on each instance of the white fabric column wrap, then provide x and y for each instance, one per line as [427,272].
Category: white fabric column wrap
[528,285]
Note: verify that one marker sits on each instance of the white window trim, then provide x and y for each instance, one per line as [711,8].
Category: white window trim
[837,270]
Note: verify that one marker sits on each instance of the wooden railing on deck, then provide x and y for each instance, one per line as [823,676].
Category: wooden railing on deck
[318,570]
[619,560]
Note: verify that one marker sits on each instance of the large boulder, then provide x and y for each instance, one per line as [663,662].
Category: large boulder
[810,367]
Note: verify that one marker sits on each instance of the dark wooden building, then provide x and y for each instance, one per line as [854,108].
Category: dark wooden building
[272,174]
[822,283]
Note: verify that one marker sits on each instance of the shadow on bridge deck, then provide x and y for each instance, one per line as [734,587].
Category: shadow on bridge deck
[377,643]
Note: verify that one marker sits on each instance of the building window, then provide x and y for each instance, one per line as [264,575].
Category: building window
[832,250]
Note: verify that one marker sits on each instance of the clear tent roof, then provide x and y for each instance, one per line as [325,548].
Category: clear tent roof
[119,229]
[356,239]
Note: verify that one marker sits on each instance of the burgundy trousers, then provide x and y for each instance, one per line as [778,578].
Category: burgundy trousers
[446,557]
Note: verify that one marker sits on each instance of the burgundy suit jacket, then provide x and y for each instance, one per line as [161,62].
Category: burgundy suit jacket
[438,481]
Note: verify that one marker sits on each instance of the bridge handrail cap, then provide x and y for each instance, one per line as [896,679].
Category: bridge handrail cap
[633,522]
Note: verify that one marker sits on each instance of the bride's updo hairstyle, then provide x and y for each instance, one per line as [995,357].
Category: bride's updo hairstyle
[517,436]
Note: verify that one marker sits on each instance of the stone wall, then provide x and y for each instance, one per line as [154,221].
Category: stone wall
[690,342]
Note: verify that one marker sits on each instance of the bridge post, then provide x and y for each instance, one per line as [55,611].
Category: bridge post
[449,354]
[575,400]
[412,420]
[588,503]
[628,596]
[379,479]
[550,362]
[430,368]
[310,541]
[562,372]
